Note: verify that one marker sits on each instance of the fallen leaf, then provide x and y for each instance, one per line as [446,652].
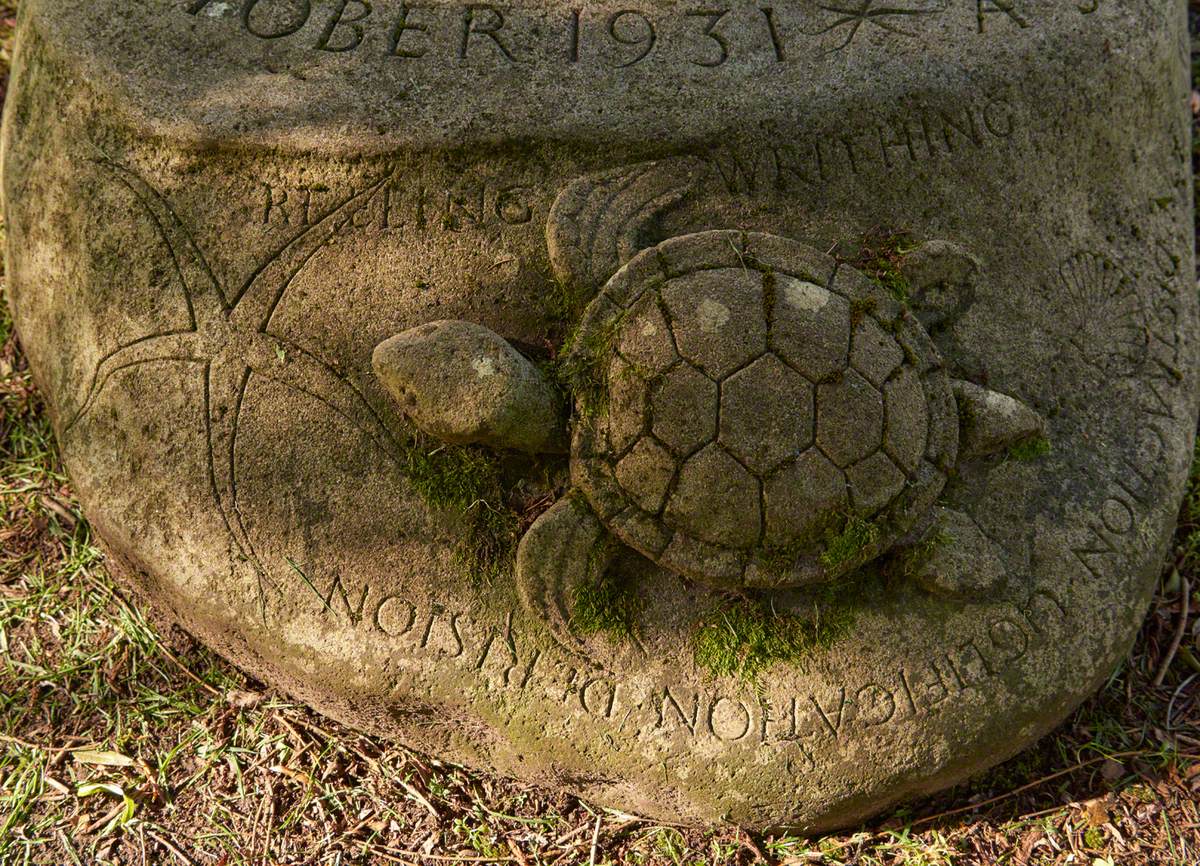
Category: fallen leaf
[1096,811]
[122,814]
[1028,843]
[103,759]
[243,700]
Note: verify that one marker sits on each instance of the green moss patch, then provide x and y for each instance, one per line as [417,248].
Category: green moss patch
[859,308]
[468,480]
[582,368]
[565,302]
[770,291]
[471,481]
[842,545]
[498,505]
[855,536]
[1033,448]
[451,475]
[743,637]
[780,559]
[1188,534]
[1191,504]
[609,606]
[880,257]
[912,559]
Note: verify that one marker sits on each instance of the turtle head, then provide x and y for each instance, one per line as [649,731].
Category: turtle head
[464,384]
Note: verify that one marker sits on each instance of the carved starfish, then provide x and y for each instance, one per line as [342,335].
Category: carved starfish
[866,13]
[229,337]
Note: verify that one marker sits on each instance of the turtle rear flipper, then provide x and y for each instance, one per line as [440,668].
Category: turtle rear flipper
[955,558]
[565,549]
[990,421]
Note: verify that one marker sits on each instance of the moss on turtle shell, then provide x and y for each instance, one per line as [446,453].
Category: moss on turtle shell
[582,367]
[843,546]
[880,256]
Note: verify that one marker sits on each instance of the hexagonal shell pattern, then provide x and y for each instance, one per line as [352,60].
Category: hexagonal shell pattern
[716,500]
[716,316]
[767,414]
[683,410]
[847,395]
[811,327]
[849,418]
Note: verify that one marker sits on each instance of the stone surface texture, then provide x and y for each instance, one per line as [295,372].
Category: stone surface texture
[217,210]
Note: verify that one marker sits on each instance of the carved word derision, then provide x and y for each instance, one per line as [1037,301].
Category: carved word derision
[706,37]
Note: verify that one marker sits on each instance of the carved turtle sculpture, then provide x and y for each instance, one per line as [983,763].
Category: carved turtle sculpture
[771,420]
[749,412]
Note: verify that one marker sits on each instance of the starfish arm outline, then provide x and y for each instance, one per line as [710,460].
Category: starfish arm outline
[853,18]
[203,293]
[229,337]
[300,370]
[172,346]
[225,381]
[256,302]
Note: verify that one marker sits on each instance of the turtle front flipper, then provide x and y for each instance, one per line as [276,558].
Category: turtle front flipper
[990,422]
[598,222]
[942,279]
[565,549]
[955,558]
[466,385]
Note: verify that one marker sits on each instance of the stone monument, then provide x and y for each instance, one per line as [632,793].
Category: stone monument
[762,412]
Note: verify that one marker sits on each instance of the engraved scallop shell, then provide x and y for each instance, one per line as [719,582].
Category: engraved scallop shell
[1095,308]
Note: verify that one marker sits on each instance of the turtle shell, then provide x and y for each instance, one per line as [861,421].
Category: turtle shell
[771,418]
